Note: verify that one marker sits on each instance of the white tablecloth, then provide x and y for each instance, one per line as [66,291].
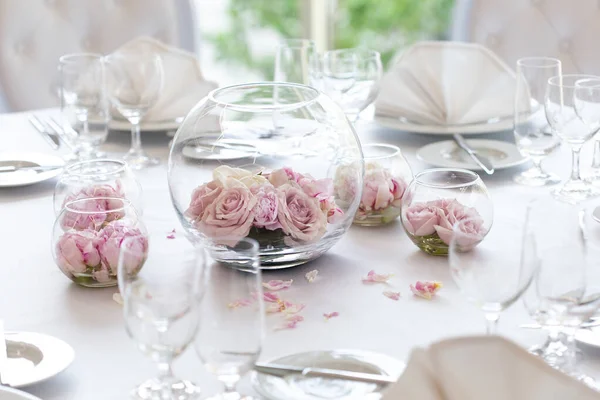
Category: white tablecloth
[36,296]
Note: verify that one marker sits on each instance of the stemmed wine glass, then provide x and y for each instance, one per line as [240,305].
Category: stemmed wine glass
[587,107]
[161,303]
[135,81]
[561,114]
[84,104]
[232,312]
[496,272]
[534,137]
[294,59]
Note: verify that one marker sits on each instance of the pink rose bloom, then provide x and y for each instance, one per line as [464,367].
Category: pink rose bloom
[420,219]
[231,214]
[332,211]
[265,210]
[345,183]
[111,199]
[319,188]
[377,190]
[76,251]
[300,215]
[284,175]
[202,196]
[398,188]
[110,240]
[455,212]
[86,214]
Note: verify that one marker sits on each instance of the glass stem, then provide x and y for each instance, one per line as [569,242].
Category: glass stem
[596,162]
[136,140]
[164,371]
[575,175]
[491,323]
[229,381]
[537,164]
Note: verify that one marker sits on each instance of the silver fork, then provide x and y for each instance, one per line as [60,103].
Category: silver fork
[54,129]
[49,135]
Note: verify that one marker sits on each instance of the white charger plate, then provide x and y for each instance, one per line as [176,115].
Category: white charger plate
[14,394]
[298,387]
[24,178]
[34,357]
[146,126]
[491,126]
[447,154]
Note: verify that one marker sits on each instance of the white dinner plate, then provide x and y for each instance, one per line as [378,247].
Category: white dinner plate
[24,178]
[447,154]
[298,387]
[14,394]
[146,126]
[491,126]
[590,337]
[34,357]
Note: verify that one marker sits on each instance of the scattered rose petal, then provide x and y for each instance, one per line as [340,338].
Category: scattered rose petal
[118,298]
[284,307]
[425,289]
[312,275]
[373,277]
[171,234]
[328,316]
[277,284]
[290,322]
[239,303]
[392,295]
[271,297]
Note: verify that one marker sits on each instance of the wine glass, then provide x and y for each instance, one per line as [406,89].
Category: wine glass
[83,101]
[293,61]
[232,313]
[161,303]
[560,113]
[135,81]
[350,77]
[534,137]
[587,107]
[492,274]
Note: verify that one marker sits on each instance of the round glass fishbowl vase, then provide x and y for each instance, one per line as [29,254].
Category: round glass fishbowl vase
[260,161]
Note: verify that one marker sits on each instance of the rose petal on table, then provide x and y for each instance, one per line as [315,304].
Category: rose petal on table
[330,315]
[425,289]
[239,303]
[271,297]
[373,277]
[171,234]
[118,298]
[277,284]
[392,295]
[286,307]
[290,322]
[311,276]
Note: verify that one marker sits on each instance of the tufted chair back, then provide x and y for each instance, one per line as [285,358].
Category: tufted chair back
[35,33]
[565,29]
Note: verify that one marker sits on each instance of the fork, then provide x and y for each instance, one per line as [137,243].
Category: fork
[50,136]
[50,126]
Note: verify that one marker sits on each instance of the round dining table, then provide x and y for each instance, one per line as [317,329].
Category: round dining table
[36,297]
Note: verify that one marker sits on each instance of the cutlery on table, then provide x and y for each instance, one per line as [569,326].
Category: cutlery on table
[51,138]
[38,168]
[284,370]
[481,160]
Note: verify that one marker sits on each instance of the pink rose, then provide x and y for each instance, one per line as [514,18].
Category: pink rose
[300,215]
[76,251]
[265,210]
[345,183]
[85,214]
[202,196]
[284,175]
[332,211]
[110,240]
[230,215]
[454,212]
[319,188]
[398,188]
[420,219]
[377,190]
[111,199]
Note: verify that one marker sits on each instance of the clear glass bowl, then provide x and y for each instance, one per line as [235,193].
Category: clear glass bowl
[258,160]
[87,237]
[439,197]
[97,178]
[387,176]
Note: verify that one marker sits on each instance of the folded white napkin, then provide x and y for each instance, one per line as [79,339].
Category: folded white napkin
[184,85]
[476,368]
[447,83]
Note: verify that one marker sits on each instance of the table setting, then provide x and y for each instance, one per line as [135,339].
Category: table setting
[341,232]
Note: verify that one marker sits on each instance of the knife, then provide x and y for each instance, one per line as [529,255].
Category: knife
[482,161]
[39,168]
[284,370]
[51,139]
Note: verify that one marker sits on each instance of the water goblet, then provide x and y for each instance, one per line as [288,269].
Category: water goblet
[294,59]
[533,136]
[587,107]
[84,104]
[490,275]
[161,303]
[232,312]
[134,82]
[562,117]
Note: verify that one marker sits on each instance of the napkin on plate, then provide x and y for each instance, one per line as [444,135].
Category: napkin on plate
[184,85]
[447,83]
[487,367]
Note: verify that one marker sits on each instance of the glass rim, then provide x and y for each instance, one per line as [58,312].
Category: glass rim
[429,171]
[551,62]
[395,150]
[126,53]
[215,93]
[125,205]
[297,43]
[364,54]
[596,85]
[70,169]
[72,58]
[559,80]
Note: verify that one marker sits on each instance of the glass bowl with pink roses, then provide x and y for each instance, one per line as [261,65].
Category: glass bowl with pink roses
[387,175]
[87,238]
[97,178]
[258,160]
[437,199]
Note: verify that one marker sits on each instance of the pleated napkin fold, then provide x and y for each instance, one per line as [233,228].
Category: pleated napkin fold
[447,83]
[476,368]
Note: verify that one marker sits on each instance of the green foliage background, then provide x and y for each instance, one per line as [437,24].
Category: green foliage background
[383,25]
